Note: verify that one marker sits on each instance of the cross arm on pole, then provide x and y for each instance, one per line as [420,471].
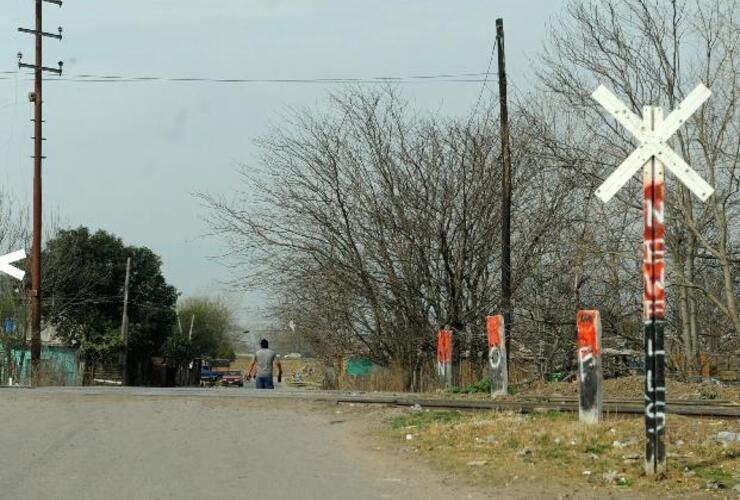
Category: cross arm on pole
[618,110]
[685,173]
[629,167]
[678,116]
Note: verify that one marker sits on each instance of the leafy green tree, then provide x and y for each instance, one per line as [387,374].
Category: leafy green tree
[84,276]
[12,306]
[213,327]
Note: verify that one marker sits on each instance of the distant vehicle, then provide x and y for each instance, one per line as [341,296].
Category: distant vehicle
[232,377]
[209,378]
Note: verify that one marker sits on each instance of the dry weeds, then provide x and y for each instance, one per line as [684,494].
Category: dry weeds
[494,448]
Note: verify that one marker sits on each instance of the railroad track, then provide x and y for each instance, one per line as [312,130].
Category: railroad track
[725,409]
[530,405]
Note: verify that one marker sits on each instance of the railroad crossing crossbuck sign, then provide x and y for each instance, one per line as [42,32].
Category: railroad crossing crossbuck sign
[6,268]
[652,155]
[653,143]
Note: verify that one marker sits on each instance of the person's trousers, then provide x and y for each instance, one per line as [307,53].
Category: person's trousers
[264,383]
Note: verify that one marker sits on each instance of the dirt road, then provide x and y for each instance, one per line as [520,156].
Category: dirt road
[76,446]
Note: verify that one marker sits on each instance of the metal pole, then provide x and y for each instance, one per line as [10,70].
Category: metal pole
[505,192]
[36,238]
[124,324]
[653,270]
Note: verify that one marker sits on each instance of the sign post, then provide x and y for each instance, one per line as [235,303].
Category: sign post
[653,155]
[495,328]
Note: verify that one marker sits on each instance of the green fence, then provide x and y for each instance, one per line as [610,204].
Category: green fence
[58,365]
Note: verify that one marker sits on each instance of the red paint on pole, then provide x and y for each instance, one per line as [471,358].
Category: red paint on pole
[444,357]
[590,398]
[587,333]
[493,328]
[444,346]
[653,253]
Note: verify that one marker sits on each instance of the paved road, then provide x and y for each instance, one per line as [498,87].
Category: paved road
[136,444]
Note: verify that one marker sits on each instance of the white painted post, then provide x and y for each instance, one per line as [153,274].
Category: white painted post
[495,329]
[590,378]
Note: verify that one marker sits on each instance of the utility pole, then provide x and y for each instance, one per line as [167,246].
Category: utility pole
[190,333]
[124,324]
[37,99]
[505,192]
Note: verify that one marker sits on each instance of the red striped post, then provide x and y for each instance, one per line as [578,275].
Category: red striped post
[495,329]
[590,398]
[444,357]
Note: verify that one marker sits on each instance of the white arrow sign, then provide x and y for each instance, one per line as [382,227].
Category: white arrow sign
[5,266]
[653,143]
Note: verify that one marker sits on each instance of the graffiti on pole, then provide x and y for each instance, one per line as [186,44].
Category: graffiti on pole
[444,357]
[653,156]
[653,298]
[590,399]
[497,354]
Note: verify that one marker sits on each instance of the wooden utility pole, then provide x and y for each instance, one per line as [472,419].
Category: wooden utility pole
[505,192]
[124,324]
[37,99]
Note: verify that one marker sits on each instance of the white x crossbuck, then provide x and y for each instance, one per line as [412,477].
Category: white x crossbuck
[5,266]
[653,143]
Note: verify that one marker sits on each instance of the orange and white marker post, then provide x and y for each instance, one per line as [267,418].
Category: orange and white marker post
[590,399]
[497,355]
[653,156]
[444,357]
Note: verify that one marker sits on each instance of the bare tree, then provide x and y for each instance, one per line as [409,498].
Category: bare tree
[377,226]
[653,53]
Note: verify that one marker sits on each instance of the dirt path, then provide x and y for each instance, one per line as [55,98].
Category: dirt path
[67,446]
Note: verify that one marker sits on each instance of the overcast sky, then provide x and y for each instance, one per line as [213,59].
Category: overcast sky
[125,157]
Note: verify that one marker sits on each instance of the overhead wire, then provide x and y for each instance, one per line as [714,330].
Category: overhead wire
[92,78]
[485,80]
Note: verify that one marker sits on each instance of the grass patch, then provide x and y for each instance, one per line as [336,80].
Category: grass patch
[597,448]
[513,443]
[719,476]
[554,414]
[483,386]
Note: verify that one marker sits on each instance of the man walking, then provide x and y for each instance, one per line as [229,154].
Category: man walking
[261,367]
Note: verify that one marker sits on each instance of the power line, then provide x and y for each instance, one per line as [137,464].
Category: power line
[485,80]
[444,77]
